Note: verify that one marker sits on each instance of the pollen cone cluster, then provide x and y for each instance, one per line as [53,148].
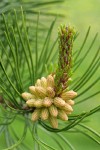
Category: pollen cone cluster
[47,105]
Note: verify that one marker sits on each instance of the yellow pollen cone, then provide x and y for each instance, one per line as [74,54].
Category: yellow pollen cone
[68,112]
[62,115]
[30,102]
[67,107]
[50,81]
[32,90]
[38,103]
[53,111]
[26,96]
[44,114]
[70,102]
[41,92]
[59,102]
[47,102]
[50,92]
[38,82]
[36,115]
[53,122]
[68,95]
[43,82]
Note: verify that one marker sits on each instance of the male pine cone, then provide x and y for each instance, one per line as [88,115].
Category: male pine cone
[50,96]
[49,107]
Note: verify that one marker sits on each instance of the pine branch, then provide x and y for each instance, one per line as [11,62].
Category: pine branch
[19,70]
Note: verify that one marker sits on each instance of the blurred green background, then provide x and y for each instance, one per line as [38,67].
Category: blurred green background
[81,14]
